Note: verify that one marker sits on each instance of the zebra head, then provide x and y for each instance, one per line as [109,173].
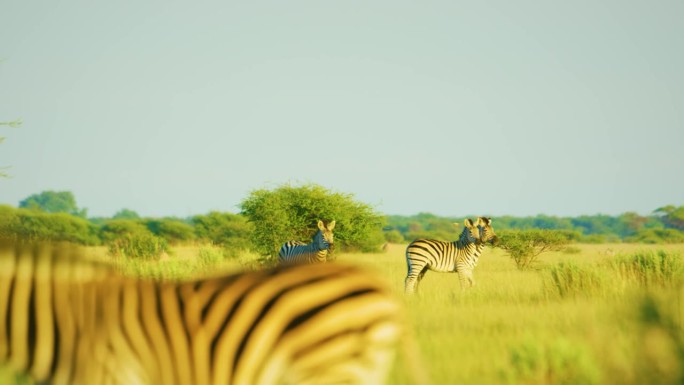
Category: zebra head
[470,233]
[324,237]
[486,230]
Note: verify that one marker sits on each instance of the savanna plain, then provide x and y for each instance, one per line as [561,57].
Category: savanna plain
[590,314]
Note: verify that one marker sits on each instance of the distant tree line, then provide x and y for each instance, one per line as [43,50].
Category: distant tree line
[270,217]
[267,220]
[664,225]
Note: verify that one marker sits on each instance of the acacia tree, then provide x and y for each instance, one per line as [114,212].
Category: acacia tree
[54,202]
[291,213]
[525,246]
[672,217]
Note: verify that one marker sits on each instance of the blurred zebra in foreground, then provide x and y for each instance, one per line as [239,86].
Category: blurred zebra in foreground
[316,251]
[65,319]
[460,256]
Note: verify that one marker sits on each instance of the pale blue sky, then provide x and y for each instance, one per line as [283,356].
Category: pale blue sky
[450,107]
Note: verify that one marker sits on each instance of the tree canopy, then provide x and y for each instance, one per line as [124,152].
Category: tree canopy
[53,202]
[291,213]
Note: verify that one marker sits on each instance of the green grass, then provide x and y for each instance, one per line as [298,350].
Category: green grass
[601,314]
[513,328]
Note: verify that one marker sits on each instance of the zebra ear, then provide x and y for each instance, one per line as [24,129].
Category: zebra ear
[321,226]
[468,222]
[331,226]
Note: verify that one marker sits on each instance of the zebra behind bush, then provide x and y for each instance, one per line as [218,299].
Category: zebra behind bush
[316,251]
[65,319]
[460,256]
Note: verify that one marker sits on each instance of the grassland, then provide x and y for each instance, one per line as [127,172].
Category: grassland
[585,316]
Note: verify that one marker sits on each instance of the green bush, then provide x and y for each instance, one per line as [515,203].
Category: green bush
[524,246]
[394,236]
[174,231]
[40,226]
[291,213]
[656,236]
[145,246]
[231,231]
[116,229]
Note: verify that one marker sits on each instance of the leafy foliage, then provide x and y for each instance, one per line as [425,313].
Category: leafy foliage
[119,228]
[232,231]
[629,226]
[53,202]
[524,246]
[173,230]
[126,214]
[672,216]
[291,213]
[144,246]
[36,225]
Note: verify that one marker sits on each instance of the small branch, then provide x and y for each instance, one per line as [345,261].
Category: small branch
[13,124]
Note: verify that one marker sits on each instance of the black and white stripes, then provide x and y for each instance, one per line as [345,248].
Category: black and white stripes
[316,251]
[65,319]
[460,256]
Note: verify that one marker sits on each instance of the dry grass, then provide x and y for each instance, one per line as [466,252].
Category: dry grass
[509,329]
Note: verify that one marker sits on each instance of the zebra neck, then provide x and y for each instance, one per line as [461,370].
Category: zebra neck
[469,249]
[464,244]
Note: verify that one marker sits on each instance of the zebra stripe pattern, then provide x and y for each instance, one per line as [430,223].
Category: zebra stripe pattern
[460,256]
[316,251]
[67,320]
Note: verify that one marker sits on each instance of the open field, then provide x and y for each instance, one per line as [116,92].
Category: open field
[511,328]
[518,327]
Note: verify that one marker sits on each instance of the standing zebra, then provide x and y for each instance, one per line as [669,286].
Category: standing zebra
[316,251]
[65,319]
[447,257]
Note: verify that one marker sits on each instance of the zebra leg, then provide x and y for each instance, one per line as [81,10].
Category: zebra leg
[413,279]
[466,279]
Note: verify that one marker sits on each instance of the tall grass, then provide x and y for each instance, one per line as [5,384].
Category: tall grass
[606,314]
[641,270]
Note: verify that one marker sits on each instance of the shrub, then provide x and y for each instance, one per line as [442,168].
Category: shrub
[656,236]
[525,246]
[144,246]
[232,231]
[173,230]
[291,213]
[120,228]
[394,236]
[41,226]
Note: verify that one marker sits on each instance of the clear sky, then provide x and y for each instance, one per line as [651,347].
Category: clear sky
[500,107]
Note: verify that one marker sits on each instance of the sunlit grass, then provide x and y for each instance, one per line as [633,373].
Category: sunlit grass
[619,321]
[509,329]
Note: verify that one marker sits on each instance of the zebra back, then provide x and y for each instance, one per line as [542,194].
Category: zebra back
[65,319]
[316,251]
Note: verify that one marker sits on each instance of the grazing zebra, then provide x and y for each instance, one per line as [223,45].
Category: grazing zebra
[316,251]
[447,257]
[65,319]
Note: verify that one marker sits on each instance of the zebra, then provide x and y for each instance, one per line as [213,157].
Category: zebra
[67,319]
[316,251]
[460,256]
